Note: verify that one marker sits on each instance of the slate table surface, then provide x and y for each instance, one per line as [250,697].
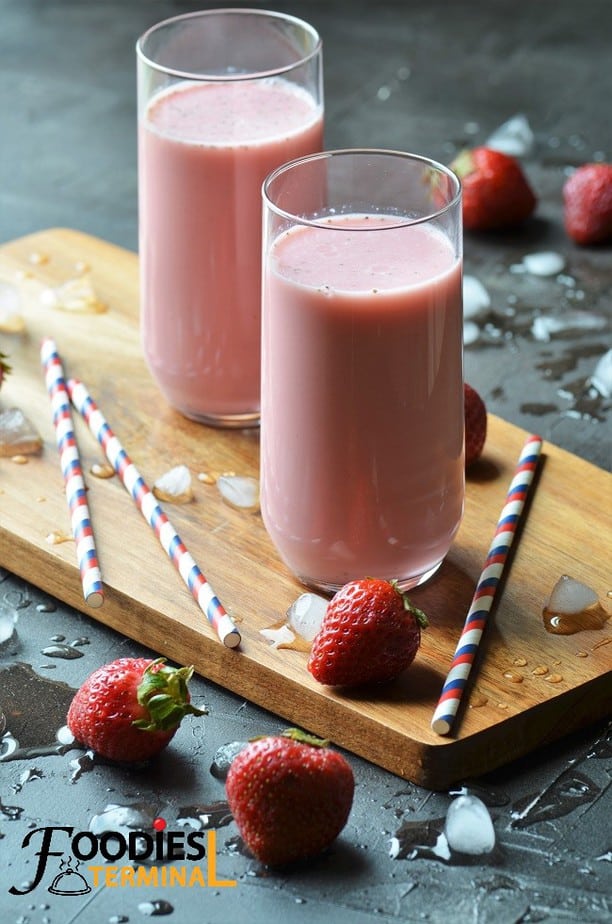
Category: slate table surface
[431,77]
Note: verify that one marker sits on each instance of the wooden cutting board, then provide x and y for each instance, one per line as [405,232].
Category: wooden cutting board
[509,709]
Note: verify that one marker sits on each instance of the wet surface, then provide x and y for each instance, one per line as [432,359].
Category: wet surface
[398,75]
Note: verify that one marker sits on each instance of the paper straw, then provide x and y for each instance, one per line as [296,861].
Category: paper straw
[487,586]
[155,516]
[76,493]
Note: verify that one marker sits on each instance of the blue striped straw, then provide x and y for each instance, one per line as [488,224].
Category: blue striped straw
[486,588]
[74,484]
[154,515]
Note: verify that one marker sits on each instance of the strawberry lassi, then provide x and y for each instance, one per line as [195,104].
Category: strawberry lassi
[204,151]
[362,469]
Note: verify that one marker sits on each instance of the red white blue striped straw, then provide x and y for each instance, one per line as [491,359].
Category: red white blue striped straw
[486,588]
[74,484]
[155,516]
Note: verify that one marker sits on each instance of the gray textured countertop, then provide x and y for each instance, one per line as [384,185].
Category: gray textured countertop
[430,77]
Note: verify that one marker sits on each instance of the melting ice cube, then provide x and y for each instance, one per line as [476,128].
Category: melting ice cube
[476,299]
[305,615]
[468,826]
[174,485]
[239,491]
[602,375]
[11,318]
[544,263]
[513,137]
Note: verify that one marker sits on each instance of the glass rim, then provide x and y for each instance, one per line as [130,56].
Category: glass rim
[384,152]
[144,58]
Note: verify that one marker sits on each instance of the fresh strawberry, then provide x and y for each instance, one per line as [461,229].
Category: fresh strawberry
[290,796]
[129,710]
[475,424]
[587,202]
[370,633]
[496,193]
[4,367]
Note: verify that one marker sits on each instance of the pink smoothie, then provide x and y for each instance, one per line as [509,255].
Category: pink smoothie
[362,400]
[204,151]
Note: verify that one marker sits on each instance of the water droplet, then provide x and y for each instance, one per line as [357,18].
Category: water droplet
[158,907]
[67,652]
[279,635]
[540,670]
[223,758]
[32,730]
[124,818]
[420,838]
[102,470]
[33,773]
[207,478]
[118,919]
[38,258]
[48,607]
[582,654]
[513,677]
[520,662]
[11,812]
[565,794]
[80,765]
[477,700]
[57,537]
[205,816]
[553,678]
[19,459]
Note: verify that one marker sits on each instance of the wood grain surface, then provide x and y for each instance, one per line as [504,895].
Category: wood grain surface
[508,709]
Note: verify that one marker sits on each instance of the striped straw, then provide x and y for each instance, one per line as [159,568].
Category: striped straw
[76,493]
[487,586]
[155,516]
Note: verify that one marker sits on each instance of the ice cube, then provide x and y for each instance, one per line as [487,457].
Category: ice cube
[11,318]
[239,491]
[468,826]
[544,326]
[544,263]
[602,375]
[476,299]
[18,435]
[305,615]
[514,137]
[174,485]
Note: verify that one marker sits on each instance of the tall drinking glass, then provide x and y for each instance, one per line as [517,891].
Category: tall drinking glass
[224,96]
[362,465]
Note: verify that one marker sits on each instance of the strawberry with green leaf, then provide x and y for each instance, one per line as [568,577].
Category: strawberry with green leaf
[370,633]
[496,192]
[130,709]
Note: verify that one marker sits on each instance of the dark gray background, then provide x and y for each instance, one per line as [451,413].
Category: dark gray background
[424,76]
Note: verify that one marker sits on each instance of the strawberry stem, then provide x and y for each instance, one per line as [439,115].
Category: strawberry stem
[296,734]
[163,693]
[409,606]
